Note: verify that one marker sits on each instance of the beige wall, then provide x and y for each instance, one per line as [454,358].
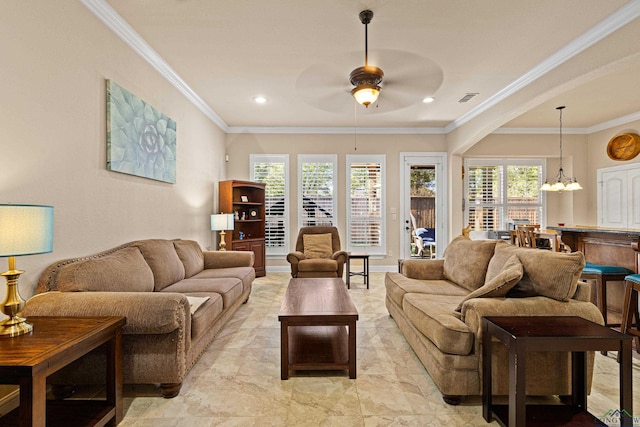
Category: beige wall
[55,59]
[598,158]
[239,146]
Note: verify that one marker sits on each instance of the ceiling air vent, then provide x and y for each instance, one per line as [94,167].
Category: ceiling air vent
[468,96]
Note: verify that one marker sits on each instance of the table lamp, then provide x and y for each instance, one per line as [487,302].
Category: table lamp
[24,230]
[221,222]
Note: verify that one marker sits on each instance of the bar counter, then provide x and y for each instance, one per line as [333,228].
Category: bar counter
[606,246]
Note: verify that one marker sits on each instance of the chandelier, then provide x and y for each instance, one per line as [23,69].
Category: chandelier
[561,182]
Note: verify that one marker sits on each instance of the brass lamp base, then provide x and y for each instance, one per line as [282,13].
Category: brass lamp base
[12,305]
[15,326]
[223,244]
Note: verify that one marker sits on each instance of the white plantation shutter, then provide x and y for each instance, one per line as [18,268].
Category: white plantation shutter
[317,199]
[501,189]
[365,204]
[273,170]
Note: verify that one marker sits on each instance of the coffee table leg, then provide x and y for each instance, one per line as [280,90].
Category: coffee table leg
[517,386]
[626,384]
[352,349]
[284,350]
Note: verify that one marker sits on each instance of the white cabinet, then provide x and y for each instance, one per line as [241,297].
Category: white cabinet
[619,196]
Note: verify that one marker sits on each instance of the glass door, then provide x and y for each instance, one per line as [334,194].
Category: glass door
[423,205]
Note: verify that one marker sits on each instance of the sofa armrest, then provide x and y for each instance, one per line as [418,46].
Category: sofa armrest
[475,309]
[225,259]
[146,312]
[423,269]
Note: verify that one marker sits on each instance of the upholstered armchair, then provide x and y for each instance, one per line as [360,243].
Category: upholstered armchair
[317,253]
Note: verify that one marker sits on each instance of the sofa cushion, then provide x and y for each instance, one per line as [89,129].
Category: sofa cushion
[122,271]
[206,314]
[190,255]
[501,283]
[229,288]
[398,286]
[501,254]
[435,318]
[550,274]
[466,261]
[317,245]
[318,264]
[246,274]
[164,262]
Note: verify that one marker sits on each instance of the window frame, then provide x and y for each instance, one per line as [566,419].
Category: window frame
[504,206]
[353,159]
[316,159]
[277,251]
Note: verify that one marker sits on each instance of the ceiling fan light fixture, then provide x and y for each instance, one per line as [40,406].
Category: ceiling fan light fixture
[366,79]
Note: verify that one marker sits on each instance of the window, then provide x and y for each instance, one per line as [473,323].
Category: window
[498,190]
[365,204]
[273,170]
[317,190]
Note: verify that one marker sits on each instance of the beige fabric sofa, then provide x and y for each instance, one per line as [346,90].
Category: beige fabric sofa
[438,305]
[155,284]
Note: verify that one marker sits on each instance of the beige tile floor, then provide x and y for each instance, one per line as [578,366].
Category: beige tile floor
[237,380]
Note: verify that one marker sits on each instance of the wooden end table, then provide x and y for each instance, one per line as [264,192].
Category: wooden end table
[551,333]
[54,343]
[317,327]
[365,268]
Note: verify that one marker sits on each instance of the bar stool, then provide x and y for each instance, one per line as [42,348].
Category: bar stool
[630,308]
[603,274]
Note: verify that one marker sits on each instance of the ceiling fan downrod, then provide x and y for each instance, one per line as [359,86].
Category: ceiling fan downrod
[366,79]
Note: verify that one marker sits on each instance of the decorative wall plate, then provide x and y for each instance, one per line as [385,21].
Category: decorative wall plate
[625,146]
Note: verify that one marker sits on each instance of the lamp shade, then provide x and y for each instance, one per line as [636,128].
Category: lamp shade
[25,230]
[221,222]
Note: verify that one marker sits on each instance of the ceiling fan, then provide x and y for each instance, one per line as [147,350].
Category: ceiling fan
[366,79]
[408,78]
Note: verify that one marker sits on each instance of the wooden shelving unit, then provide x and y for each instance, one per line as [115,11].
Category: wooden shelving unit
[245,199]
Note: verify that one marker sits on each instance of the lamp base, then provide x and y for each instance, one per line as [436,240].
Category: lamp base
[15,326]
[223,243]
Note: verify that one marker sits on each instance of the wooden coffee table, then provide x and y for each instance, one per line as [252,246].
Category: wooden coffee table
[317,327]
[55,342]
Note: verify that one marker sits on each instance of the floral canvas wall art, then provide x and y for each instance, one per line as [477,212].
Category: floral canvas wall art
[141,140]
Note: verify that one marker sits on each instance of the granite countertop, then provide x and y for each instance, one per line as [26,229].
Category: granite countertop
[593,228]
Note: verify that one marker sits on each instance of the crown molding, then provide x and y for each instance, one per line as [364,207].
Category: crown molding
[335,130]
[614,122]
[540,131]
[610,24]
[105,13]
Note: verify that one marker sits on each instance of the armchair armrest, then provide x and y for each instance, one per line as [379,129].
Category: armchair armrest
[340,256]
[225,259]
[146,312]
[423,269]
[295,257]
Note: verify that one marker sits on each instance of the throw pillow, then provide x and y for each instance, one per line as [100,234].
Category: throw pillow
[501,283]
[466,261]
[317,245]
[163,259]
[550,274]
[191,255]
[502,253]
[122,271]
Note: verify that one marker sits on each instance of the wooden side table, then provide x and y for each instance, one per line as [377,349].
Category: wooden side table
[55,342]
[365,268]
[551,333]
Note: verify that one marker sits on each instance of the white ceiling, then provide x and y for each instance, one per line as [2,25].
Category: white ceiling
[299,53]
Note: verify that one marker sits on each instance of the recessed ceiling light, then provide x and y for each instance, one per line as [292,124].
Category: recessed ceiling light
[260,99]
[428,99]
